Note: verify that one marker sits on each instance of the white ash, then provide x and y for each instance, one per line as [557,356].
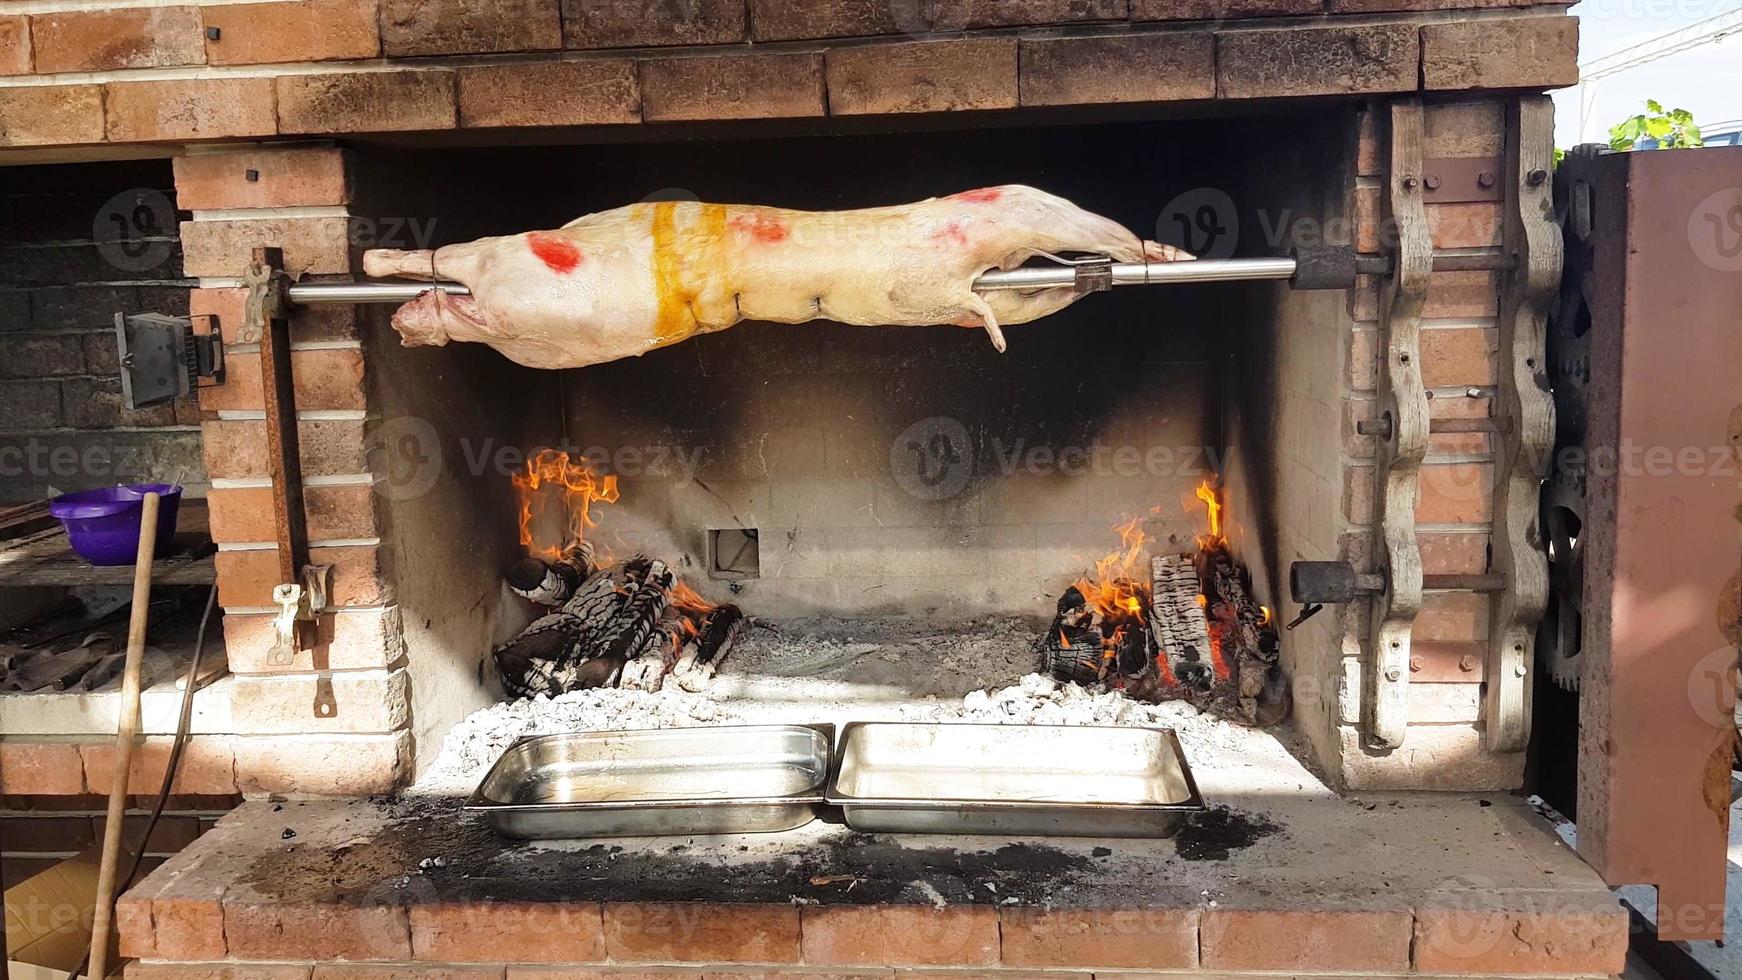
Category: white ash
[900,670]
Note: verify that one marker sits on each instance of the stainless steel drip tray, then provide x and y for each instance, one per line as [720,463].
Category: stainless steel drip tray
[1075,781]
[725,780]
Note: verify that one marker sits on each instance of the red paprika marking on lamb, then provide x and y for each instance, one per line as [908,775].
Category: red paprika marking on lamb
[984,195]
[764,228]
[558,254]
[950,236]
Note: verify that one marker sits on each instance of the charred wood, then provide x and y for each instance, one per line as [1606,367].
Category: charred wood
[551,583]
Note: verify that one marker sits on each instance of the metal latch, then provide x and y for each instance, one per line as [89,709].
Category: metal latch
[299,603]
[1094,275]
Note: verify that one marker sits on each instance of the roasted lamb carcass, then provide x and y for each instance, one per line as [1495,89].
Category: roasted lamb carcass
[623,282]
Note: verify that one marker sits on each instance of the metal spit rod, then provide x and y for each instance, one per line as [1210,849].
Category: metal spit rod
[1028,277]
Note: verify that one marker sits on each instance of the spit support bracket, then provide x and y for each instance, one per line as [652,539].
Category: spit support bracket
[302,590]
[1401,400]
[1522,452]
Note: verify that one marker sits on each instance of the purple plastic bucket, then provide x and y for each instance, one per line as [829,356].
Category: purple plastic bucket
[103,525]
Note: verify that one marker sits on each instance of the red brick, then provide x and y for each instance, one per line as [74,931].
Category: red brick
[303,177]
[737,86]
[1542,933]
[324,378]
[614,973]
[1155,938]
[1363,367]
[47,834]
[347,640]
[1388,6]
[307,323]
[900,935]
[1317,61]
[207,765]
[1457,357]
[171,834]
[553,93]
[225,247]
[1474,224]
[508,932]
[303,766]
[1369,157]
[1358,491]
[1312,941]
[593,24]
[244,514]
[330,447]
[366,102]
[188,928]
[1452,617]
[922,76]
[1521,52]
[368,702]
[1162,67]
[15,45]
[1452,553]
[316,932]
[42,355]
[783,20]
[421,27]
[1369,235]
[50,115]
[189,109]
[30,405]
[30,766]
[108,40]
[298,30]
[346,971]
[1462,294]
[1142,10]
[133,926]
[1455,493]
[699,932]
[246,578]
[957,15]
[1464,129]
[95,403]
[216,971]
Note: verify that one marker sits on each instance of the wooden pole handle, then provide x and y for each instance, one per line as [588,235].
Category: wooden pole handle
[125,734]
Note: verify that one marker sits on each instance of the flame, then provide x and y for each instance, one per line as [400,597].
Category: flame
[1264,612]
[558,488]
[1207,494]
[1119,584]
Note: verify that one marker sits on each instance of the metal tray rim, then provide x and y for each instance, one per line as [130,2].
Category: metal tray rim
[477,802]
[833,796]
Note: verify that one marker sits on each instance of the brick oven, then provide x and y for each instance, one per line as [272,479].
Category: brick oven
[817,475]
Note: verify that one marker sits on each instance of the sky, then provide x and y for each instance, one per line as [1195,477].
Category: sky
[1706,81]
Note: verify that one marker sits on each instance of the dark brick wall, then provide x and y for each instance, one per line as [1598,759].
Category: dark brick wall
[79,243]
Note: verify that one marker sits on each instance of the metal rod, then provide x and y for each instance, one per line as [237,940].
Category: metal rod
[1028,277]
[376,291]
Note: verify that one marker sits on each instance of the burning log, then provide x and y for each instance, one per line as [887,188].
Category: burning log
[1243,640]
[701,657]
[1177,621]
[550,583]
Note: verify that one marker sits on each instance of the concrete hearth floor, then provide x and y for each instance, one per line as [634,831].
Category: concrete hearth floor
[1455,884]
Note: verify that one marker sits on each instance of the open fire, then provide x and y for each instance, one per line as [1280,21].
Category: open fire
[1155,626]
[1176,626]
[628,623]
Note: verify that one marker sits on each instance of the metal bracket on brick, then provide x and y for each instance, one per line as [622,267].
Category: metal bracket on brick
[1527,291]
[1402,402]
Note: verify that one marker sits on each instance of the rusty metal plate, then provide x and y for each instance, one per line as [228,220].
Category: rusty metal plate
[1453,180]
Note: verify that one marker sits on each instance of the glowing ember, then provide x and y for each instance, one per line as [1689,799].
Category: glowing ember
[557,490]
